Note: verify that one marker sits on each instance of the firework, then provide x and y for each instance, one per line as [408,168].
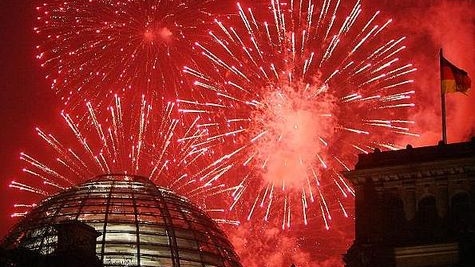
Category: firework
[98,48]
[291,95]
[144,140]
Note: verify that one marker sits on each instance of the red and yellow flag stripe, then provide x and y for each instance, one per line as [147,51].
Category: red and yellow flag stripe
[453,79]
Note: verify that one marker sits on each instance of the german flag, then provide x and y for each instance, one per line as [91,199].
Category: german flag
[452,78]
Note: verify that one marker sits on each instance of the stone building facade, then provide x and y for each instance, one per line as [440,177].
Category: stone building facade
[415,207]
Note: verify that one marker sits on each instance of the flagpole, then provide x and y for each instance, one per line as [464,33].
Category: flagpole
[442,98]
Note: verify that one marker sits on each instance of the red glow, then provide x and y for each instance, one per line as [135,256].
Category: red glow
[149,35]
[162,34]
[427,24]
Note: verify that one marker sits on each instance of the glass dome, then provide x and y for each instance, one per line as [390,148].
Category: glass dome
[140,225]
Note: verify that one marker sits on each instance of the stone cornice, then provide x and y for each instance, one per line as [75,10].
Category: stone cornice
[409,156]
[423,170]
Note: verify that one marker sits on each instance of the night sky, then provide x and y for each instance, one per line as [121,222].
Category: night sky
[25,98]
[27,101]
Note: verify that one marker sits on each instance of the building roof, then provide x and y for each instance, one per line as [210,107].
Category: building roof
[410,155]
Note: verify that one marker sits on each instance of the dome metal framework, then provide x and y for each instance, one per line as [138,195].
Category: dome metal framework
[140,225]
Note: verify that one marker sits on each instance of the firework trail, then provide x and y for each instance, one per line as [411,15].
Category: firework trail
[144,140]
[97,48]
[291,95]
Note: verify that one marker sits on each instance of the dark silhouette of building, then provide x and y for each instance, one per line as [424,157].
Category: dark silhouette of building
[125,221]
[75,247]
[415,207]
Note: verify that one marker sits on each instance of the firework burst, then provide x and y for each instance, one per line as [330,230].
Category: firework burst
[99,48]
[291,95]
[144,140]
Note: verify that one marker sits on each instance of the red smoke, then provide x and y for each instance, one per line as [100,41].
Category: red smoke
[431,25]
[267,245]
[293,124]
